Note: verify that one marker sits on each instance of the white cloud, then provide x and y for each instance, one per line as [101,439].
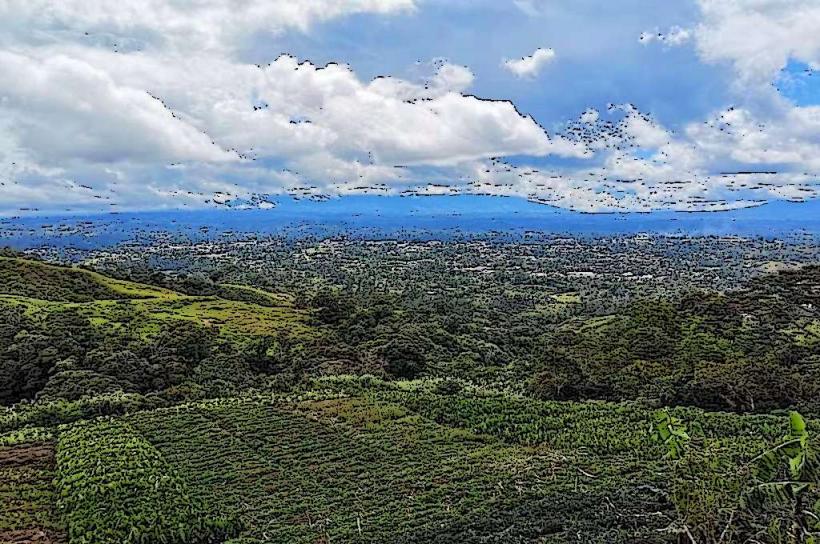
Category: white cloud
[640,165]
[763,148]
[128,105]
[765,134]
[452,78]
[303,108]
[756,37]
[531,65]
[211,25]
[678,35]
[590,115]
[759,36]
[625,182]
[787,141]
[448,78]
[643,131]
[63,109]
[156,123]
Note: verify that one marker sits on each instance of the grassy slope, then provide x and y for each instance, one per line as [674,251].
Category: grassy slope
[43,287]
[34,279]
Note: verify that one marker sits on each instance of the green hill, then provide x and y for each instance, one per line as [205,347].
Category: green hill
[43,288]
[38,280]
[67,332]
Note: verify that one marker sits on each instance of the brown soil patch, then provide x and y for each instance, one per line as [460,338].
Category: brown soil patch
[27,454]
[31,536]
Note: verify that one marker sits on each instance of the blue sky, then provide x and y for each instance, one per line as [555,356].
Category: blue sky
[600,59]
[593,106]
[799,83]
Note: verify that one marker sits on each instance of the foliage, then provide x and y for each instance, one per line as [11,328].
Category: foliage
[27,498]
[722,498]
[785,482]
[741,351]
[528,423]
[367,470]
[115,487]
[53,413]
[671,432]
[402,359]
[54,350]
[32,279]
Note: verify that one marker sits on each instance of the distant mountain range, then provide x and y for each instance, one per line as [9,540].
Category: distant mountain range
[401,217]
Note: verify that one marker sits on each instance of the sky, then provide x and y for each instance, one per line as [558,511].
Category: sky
[617,106]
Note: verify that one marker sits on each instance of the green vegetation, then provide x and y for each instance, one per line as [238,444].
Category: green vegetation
[64,350]
[367,470]
[766,498]
[359,459]
[204,410]
[115,487]
[30,279]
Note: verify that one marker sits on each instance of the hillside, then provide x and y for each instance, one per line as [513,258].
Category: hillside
[352,460]
[68,332]
[38,280]
[40,287]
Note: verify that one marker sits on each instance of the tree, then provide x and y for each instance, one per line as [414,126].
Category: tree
[331,306]
[558,377]
[402,358]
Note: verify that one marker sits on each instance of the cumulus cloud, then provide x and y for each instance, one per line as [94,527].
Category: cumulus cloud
[732,160]
[787,140]
[590,115]
[763,145]
[448,78]
[62,109]
[164,112]
[531,65]
[300,108]
[674,36]
[132,25]
[758,37]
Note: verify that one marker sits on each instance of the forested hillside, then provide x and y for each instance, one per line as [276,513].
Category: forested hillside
[59,342]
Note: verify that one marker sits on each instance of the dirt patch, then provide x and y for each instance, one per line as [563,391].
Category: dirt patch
[31,536]
[27,454]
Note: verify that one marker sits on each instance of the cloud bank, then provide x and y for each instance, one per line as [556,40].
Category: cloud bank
[141,105]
